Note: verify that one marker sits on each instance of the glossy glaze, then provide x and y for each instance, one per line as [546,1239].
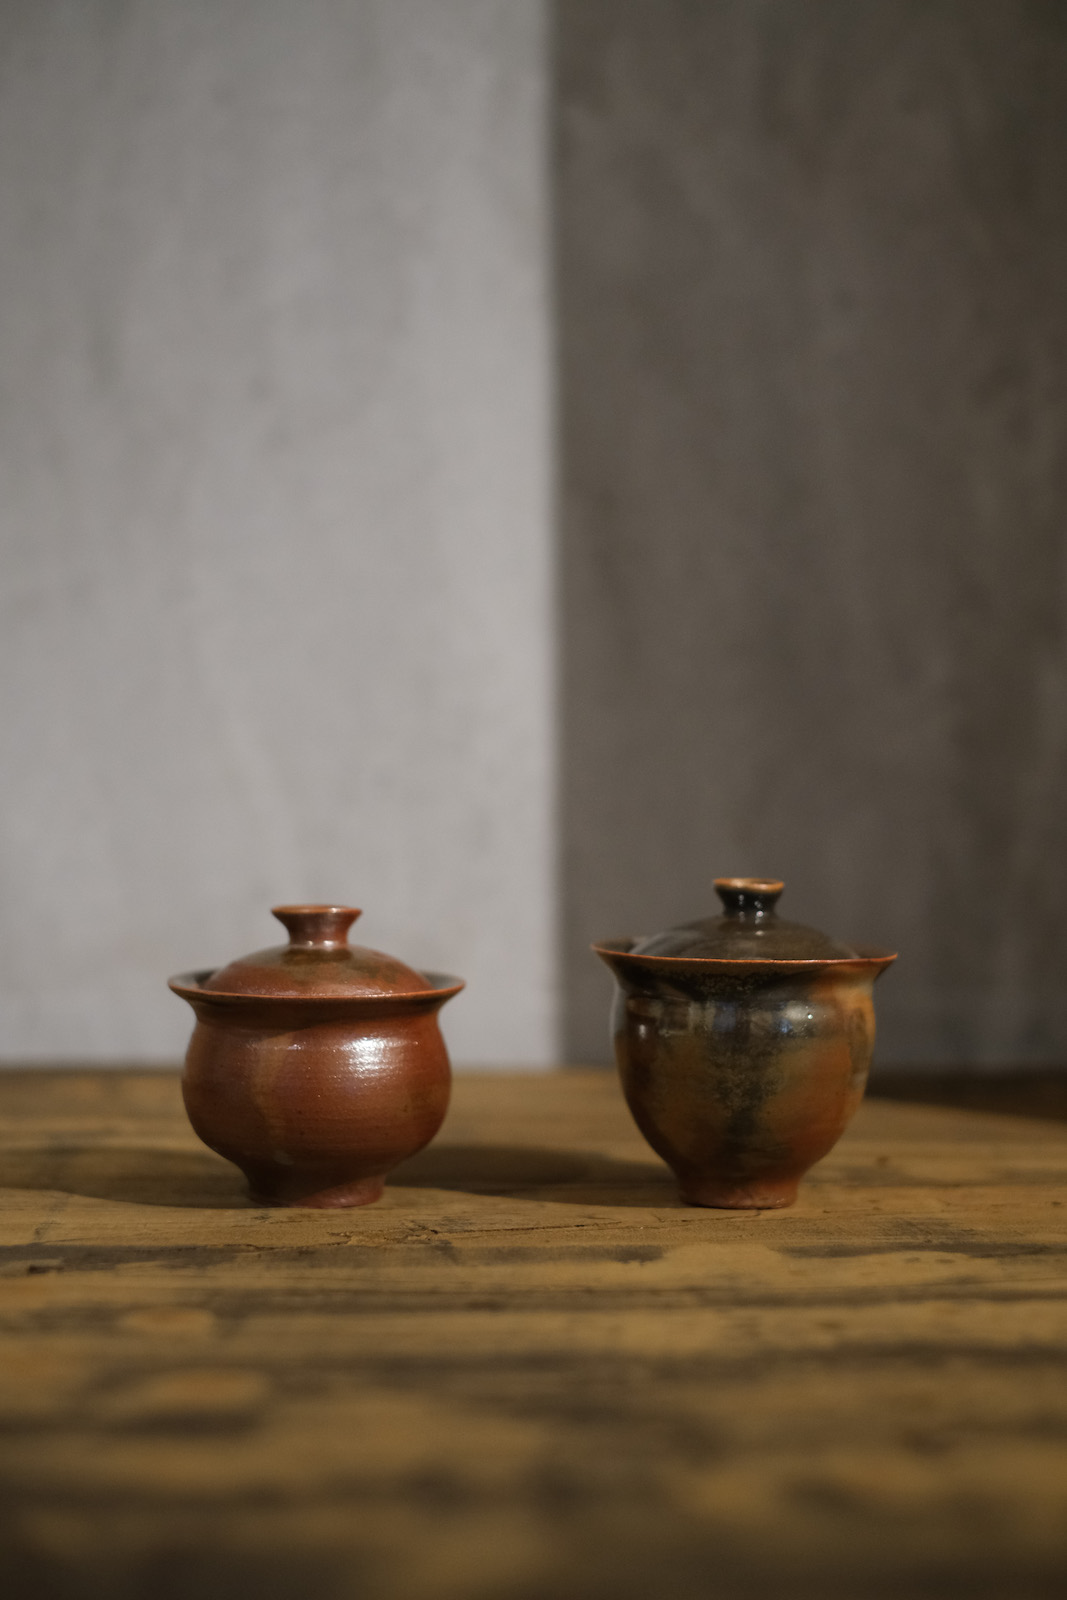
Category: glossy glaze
[741,1068]
[316,1097]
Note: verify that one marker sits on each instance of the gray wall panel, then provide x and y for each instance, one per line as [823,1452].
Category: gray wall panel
[812,277]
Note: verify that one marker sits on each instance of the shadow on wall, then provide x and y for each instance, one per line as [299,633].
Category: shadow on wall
[813,459]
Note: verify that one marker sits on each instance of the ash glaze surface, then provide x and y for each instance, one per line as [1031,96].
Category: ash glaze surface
[743,1044]
[316,1067]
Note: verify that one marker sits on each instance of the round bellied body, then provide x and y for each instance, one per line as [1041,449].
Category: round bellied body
[317,1066]
[743,1043]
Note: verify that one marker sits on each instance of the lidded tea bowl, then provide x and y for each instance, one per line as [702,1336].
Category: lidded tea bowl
[743,1043]
[316,1066]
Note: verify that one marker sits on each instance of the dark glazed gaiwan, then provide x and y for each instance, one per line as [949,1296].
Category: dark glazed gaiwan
[317,1066]
[743,1044]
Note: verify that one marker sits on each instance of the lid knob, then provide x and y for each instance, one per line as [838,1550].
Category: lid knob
[320,927]
[749,897]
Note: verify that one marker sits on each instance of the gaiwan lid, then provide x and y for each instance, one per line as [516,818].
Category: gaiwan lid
[748,929]
[318,961]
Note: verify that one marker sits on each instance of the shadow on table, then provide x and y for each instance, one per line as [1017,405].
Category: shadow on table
[135,1174]
[528,1172]
[141,1175]
[1024,1092]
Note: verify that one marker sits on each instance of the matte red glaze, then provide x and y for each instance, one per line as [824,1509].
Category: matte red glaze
[741,1070]
[316,1098]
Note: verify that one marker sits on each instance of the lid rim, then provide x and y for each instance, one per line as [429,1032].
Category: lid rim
[312,907]
[863,956]
[191,985]
[751,885]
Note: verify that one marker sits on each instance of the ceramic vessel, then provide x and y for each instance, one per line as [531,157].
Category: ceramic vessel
[743,1043]
[316,1066]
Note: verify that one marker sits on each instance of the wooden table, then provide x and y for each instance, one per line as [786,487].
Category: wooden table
[529,1373]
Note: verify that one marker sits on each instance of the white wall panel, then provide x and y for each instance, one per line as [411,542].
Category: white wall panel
[274,502]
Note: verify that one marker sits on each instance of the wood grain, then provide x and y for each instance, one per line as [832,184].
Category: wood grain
[529,1372]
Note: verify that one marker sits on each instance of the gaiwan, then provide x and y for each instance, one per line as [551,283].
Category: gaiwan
[316,1066]
[743,1043]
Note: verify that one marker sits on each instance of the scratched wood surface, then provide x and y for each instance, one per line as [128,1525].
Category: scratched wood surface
[529,1373]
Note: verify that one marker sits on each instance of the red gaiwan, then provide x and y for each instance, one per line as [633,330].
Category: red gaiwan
[317,1066]
[743,1043]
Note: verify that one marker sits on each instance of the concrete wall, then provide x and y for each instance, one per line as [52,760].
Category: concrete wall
[275,497]
[812,261]
[274,500]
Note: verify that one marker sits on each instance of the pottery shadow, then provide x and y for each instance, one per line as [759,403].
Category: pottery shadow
[133,1174]
[530,1172]
[1025,1092]
[141,1175]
